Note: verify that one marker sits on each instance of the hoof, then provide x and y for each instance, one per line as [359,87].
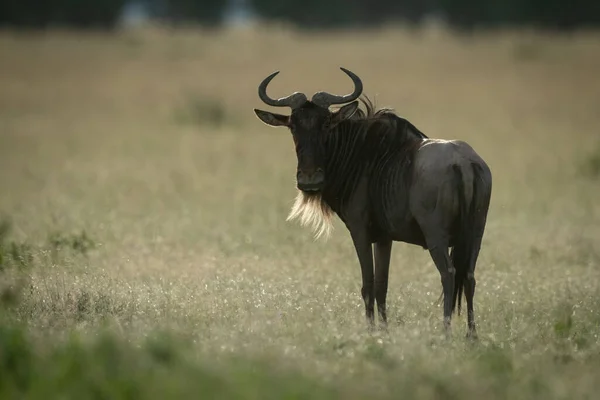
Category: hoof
[472,335]
[447,329]
[447,333]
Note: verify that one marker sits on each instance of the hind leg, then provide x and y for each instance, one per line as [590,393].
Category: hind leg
[479,228]
[438,242]
[441,258]
[470,289]
[469,294]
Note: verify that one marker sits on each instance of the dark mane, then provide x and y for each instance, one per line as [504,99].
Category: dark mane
[371,113]
[374,142]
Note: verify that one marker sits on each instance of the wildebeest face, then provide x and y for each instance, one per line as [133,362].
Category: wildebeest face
[309,124]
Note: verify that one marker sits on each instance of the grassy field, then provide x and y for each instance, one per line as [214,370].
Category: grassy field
[144,251]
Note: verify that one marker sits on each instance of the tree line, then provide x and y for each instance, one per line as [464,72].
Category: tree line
[312,14]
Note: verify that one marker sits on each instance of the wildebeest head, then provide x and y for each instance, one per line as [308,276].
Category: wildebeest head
[309,122]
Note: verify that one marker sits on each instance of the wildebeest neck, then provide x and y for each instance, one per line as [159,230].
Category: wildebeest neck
[367,145]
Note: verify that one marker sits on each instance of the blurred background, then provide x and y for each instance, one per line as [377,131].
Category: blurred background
[463,14]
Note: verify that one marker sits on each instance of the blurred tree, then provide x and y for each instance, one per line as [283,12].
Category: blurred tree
[552,14]
[205,12]
[45,13]
[309,13]
[564,15]
[464,14]
[335,13]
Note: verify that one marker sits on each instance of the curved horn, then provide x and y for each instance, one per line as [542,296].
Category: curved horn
[294,100]
[325,99]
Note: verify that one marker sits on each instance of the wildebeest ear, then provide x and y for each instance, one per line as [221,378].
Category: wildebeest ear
[344,112]
[272,119]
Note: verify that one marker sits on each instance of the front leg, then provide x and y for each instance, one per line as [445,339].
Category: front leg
[364,251]
[383,251]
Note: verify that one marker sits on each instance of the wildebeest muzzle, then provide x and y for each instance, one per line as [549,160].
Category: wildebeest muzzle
[310,181]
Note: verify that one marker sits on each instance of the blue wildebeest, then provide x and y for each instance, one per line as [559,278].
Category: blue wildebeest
[387,181]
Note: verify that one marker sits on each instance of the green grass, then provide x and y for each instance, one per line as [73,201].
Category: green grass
[109,367]
[144,249]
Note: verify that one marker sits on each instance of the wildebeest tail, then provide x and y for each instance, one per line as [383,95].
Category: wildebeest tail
[462,250]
